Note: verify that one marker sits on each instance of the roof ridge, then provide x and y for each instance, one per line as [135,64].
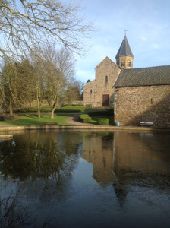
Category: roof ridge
[152,67]
[157,75]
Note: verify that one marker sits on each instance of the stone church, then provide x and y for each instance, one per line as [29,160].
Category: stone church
[138,95]
[100,92]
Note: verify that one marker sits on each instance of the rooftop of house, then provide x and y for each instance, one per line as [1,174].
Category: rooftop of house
[135,77]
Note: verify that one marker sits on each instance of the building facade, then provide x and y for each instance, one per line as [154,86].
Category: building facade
[100,92]
[143,95]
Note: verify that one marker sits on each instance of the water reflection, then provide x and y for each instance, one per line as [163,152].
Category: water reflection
[122,154]
[35,154]
[123,159]
[98,149]
[58,174]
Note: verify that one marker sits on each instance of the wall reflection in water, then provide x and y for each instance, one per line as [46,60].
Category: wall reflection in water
[98,149]
[128,158]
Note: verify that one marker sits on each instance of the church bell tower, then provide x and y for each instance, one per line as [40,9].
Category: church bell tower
[124,57]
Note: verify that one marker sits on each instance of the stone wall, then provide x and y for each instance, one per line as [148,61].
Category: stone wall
[125,60]
[89,93]
[106,75]
[149,103]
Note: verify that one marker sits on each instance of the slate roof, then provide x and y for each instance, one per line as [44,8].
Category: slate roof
[135,77]
[124,49]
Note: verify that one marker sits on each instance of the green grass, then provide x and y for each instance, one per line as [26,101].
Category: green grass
[99,116]
[34,120]
[46,109]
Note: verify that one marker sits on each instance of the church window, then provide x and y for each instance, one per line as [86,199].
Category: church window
[129,64]
[106,80]
[122,64]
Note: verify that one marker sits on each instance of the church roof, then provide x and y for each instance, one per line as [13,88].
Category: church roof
[135,77]
[124,49]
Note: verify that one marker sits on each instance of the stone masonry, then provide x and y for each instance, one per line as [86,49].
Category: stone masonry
[106,74]
[145,103]
[100,92]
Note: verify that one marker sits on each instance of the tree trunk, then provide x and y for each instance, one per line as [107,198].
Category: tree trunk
[10,108]
[38,102]
[52,112]
[54,108]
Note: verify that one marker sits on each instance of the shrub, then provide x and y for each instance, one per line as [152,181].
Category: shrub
[102,121]
[86,118]
[70,109]
[60,110]
[99,112]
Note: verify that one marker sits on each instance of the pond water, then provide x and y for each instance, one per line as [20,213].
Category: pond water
[85,179]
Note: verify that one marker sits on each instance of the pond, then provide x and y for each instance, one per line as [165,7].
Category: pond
[85,179]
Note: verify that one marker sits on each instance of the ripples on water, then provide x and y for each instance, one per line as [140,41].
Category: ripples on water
[85,179]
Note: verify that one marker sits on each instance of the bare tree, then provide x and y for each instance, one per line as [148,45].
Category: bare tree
[24,23]
[55,68]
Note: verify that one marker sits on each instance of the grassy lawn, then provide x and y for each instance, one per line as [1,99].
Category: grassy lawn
[34,120]
[87,115]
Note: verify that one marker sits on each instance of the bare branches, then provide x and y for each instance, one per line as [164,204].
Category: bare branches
[24,23]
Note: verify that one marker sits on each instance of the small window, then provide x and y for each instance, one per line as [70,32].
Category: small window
[129,64]
[122,64]
[91,91]
[106,80]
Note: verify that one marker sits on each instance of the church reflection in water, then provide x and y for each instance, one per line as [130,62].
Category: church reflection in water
[124,159]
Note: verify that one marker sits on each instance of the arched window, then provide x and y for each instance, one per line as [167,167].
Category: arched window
[122,64]
[129,64]
[91,91]
[106,80]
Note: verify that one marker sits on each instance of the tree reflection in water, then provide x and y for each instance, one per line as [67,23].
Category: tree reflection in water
[40,165]
[35,155]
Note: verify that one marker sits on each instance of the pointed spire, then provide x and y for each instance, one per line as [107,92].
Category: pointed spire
[124,49]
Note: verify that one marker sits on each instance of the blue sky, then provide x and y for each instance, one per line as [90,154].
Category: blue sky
[148,25]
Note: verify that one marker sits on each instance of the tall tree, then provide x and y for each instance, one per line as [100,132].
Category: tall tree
[9,87]
[17,82]
[55,68]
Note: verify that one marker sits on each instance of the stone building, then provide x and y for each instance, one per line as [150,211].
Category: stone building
[100,92]
[143,95]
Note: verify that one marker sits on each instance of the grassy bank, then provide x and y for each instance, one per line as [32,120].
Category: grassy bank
[34,120]
[98,116]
